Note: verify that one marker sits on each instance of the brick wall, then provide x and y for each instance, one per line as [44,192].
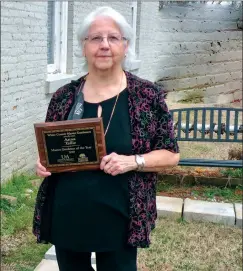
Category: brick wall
[199,51]
[23,72]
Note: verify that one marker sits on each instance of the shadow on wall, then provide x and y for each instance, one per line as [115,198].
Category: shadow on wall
[161,86]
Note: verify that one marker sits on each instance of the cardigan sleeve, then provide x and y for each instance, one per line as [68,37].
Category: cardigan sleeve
[60,104]
[165,137]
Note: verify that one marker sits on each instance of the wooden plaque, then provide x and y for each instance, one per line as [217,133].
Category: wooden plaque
[71,145]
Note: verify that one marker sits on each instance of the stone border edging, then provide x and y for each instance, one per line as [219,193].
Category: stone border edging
[198,210]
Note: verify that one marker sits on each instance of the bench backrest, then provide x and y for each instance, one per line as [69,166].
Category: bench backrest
[208,124]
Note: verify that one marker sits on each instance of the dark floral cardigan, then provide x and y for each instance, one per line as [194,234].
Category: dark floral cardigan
[151,128]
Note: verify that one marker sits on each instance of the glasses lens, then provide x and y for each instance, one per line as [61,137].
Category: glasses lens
[114,38]
[95,39]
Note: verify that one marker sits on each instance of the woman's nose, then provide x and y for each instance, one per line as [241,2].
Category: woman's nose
[105,42]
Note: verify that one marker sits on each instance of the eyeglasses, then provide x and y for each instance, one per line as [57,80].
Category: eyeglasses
[111,39]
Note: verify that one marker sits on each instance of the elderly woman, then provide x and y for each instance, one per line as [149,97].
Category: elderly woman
[110,211]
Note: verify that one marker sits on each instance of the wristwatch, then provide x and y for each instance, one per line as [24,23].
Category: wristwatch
[140,161]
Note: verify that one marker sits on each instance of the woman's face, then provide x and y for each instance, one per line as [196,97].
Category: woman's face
[104,47]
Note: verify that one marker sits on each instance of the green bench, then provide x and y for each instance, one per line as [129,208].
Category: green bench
[208,124]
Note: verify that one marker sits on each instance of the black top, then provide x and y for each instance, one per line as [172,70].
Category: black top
[90,210]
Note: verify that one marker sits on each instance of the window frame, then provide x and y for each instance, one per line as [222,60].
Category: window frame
[60,38]
[134,24]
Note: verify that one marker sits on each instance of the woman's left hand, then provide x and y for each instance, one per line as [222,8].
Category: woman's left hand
[115,164]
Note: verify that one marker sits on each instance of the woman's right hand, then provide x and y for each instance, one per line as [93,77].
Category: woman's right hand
[40,170]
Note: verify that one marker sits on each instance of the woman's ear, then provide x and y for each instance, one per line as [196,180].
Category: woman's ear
[126,48]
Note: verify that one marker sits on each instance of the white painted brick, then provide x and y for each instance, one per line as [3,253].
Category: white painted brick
[12,147]
[211,79]
[196,36]
[196,58]
[204,69]
[224,98]
[237,95]
[6,36]
[224,88]
[219,99]
[18,124]
[33,7]
[8,60]
[192,25]
[24,61]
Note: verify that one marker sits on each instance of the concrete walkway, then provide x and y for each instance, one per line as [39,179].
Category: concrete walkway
[49,263]
[191,210]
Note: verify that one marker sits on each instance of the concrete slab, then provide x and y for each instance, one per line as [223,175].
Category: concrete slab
[197,210]
[169,206]
[238,214]
[47,265]
[51,255]
[51,265]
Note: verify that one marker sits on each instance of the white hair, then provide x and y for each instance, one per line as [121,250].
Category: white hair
[122,23]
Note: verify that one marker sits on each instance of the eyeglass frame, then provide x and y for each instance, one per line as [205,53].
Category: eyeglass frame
[122,38]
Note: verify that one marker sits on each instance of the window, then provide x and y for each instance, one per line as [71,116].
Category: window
[134,23]
[135,63]
[57,36]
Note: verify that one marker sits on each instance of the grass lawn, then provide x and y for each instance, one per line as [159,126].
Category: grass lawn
[24,255]
[19,251]
[177,245]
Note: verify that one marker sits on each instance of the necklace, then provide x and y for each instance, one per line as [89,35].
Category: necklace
[113,109]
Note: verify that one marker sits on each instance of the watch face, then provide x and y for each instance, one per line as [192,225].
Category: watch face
[137,159]
[140,160]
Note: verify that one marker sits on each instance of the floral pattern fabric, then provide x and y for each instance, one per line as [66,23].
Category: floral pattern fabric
[151,128]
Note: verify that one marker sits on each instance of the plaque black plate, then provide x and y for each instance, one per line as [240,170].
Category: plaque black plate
[71,147]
